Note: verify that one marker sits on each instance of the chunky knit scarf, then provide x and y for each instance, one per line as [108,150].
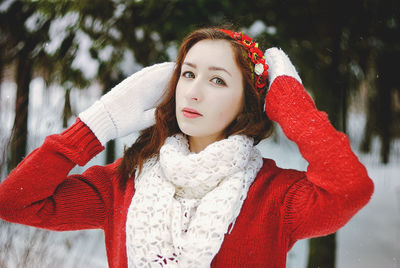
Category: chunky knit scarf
[184,202]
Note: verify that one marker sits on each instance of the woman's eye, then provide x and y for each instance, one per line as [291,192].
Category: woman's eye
[219,81]
[188,74]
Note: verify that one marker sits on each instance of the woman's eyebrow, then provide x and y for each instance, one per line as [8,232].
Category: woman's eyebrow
[190,64]
[212,68]
[215,68]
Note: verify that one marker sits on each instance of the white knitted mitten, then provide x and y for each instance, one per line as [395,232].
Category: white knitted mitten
[279,64]
[130,105]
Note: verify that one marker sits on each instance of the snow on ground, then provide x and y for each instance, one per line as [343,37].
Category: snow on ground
[369,240]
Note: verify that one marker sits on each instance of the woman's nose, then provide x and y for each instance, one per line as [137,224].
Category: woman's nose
[194,91]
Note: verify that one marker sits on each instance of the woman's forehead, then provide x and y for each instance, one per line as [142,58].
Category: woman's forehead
[211,53]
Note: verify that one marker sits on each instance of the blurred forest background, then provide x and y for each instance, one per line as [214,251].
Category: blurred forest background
[343,50]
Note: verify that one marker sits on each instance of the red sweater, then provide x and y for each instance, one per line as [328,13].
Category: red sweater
[282,205]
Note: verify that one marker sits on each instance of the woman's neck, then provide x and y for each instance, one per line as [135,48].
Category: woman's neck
[198,144]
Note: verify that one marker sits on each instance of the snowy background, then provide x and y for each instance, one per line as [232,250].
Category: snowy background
[370,239]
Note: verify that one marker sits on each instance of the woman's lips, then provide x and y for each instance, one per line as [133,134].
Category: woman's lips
[191,113]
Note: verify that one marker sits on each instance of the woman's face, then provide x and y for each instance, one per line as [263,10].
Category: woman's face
[209,93]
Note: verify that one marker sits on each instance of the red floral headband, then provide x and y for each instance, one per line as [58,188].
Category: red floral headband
[255,56]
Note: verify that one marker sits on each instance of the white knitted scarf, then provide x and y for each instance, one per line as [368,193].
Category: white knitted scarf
[185,202]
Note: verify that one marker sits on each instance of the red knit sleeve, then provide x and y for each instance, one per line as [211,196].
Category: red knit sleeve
[336,185]
[39,192]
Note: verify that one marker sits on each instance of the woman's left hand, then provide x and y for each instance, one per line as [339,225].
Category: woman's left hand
[279,64]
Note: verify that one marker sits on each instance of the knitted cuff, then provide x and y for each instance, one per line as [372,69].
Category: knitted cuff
[83,142]
[98,119]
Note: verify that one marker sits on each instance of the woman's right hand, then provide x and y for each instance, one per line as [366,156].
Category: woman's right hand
[130,105]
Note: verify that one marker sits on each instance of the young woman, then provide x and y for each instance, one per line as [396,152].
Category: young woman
[193,191]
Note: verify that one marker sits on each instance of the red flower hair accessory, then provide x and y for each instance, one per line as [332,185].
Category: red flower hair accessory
[255,56]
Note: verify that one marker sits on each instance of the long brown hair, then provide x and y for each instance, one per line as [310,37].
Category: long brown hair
[252,121]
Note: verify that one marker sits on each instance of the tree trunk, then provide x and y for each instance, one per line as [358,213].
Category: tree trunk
[387,118]
[333,100]
[110,145]
[372,94]
[322,252]
[386,122]
[67,112]
[19,133]
[3,147]
[387,82]
[1,69]
[110,152]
